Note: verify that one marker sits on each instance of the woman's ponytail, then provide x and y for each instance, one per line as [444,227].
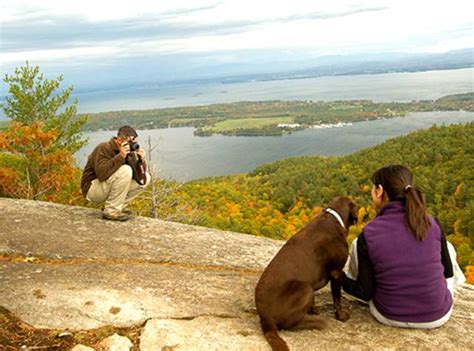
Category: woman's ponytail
[416,216]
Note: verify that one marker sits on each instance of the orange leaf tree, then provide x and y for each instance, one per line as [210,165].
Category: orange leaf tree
[33,167]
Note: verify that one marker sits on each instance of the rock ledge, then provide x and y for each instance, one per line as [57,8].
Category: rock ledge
[63,267]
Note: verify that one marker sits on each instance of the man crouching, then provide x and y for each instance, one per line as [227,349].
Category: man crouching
[108,178]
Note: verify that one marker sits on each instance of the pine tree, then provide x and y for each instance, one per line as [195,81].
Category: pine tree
[33,98]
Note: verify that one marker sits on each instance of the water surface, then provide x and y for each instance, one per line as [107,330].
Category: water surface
[183,156]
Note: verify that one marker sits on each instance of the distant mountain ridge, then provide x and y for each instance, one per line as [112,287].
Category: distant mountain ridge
[322,66]
[261,65]
[372,64]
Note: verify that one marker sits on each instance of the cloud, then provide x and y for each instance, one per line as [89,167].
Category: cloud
[58,31]
[189,11]
[37,30]
[328,15]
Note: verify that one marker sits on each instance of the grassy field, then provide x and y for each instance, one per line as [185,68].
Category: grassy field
[247,123]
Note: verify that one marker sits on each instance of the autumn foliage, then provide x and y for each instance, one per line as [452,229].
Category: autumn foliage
[470,274]
[32,167]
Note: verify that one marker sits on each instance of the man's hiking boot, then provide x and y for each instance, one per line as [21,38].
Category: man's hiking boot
[127,211]
[116,217]
[124,210]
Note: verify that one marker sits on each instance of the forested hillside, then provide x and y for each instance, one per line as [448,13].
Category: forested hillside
[279,198]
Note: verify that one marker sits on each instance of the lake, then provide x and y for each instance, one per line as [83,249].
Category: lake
[403,87]
[182,156]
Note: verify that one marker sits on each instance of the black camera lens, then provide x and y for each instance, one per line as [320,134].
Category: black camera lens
[134,146]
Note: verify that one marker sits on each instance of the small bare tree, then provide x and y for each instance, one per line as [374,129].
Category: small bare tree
[158,198]
[153,195]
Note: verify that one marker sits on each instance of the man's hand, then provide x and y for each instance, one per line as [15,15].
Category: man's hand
[124,149]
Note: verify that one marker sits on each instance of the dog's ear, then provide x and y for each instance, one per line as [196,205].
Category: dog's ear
[353,209]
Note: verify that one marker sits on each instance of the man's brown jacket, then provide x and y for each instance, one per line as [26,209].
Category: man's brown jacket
[101,164]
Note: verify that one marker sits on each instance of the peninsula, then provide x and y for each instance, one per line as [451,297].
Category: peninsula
[271,117]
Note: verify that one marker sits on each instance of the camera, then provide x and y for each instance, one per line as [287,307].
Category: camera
[133,145]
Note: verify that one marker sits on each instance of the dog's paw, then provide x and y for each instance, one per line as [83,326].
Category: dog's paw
[342,316]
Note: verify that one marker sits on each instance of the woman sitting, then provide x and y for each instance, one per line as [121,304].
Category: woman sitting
[402,262]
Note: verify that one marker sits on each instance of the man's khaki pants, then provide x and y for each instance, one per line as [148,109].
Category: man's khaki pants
[119,189]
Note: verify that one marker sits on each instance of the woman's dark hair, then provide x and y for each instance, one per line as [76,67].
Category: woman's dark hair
[397,182]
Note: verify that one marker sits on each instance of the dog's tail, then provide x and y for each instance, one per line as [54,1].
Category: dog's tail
[271,334]
[310,322]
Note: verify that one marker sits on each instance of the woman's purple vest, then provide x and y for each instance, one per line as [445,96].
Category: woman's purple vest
[410,285]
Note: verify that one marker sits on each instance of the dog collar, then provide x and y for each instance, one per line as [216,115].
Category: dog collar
[335,214]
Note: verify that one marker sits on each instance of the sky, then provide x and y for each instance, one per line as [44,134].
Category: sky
[178,38]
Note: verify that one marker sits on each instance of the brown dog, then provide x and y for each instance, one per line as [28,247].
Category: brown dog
[307,262]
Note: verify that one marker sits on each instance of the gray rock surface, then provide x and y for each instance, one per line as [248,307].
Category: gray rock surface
[63,267]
